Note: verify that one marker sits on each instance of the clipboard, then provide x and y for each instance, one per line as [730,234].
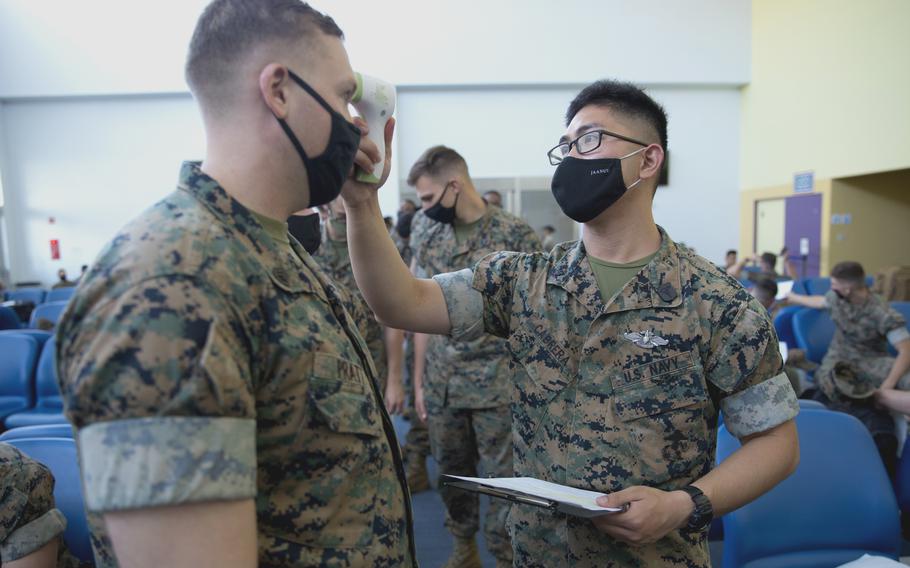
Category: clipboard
[553,505]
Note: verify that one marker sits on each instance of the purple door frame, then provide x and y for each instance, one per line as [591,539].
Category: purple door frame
[803,219]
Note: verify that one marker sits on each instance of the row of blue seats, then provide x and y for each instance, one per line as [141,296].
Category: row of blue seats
[40,295]
[50,311]
[814,286]
[29,392]
[812,330]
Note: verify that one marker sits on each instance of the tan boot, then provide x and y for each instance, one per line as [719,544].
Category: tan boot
[465,554]
[416,471]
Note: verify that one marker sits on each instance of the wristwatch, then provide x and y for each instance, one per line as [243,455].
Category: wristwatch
[703,513]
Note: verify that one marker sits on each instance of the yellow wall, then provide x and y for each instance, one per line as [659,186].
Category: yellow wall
[747,217]
[879,234]
[829,90]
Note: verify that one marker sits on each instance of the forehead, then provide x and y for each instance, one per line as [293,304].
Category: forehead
[597,116]
[325,55]
[425,185]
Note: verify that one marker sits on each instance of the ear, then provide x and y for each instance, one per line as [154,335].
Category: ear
[273,84]
[652,161]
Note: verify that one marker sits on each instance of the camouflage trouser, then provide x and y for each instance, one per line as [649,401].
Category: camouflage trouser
[476,443]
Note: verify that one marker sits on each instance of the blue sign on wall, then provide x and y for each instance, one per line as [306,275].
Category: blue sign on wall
[803,182]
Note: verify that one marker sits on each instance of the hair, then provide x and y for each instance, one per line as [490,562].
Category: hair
[769,258]
[731,251]
[435,162]
[493,192]
[766,288]
[549,228]
[850,272]
[623,98]
[228,30]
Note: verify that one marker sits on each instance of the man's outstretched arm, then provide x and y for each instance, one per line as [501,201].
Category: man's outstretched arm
[397,298]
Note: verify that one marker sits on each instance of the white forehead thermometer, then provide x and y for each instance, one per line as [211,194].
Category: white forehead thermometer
[374,100]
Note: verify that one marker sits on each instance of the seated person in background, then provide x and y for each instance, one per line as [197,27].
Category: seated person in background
[62,282]
[729,259]
[493,198]
[548,237]
[29,523]
[767,264]
[857,362]
[765,291]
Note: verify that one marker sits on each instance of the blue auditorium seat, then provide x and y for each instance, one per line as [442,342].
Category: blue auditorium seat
[50,311]
[783,324]
[837,506]
[60,294]
[805,403]
[33,295]
[40,336]
[49,404]
[59,455]
[799,287]
[813,330]
[9,319]
[817,286]
[904,309]
[18,356]
[41,431]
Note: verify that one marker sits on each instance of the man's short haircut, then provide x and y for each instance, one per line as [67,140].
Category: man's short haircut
[493,192]
[766,288]
[549,228]
[228,30]
[770,259]
[731,251]
[436,161]
[850,272]
[622,98]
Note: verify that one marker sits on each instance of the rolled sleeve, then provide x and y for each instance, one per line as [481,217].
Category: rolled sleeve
[32,536]
[147,462]
[463,302]
[760,407]
[895,336]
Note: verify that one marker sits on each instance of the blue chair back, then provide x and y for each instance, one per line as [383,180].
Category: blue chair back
[33,295]
[805,403]
[818,286]
[904,309]
[60,294]
[50,311]
[47,390]
[18,356]
[59,455]
[837,506]
[9,319]
[813,330]
[42,431]
[783,324]
[902,481]
[799,287]
[39,335]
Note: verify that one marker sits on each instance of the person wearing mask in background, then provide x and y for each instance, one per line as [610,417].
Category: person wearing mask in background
[62,281]
[332,255]
[625,346]
[857,363]
[463,393]
[493,198]
[226,407]
[548,237]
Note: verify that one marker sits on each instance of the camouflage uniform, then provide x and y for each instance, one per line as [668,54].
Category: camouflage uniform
[335,259]
[598,407]
[466,384]
[201,362]
[857,363]
[28,518]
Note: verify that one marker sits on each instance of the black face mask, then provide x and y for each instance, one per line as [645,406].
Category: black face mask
[403,226]
[586,188]
[441,214]
[326,173]
[305,228]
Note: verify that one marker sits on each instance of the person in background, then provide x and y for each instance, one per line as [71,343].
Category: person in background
[857,363]
[62,281]
[547,237]
[729,259]
[493,198]
[765,291]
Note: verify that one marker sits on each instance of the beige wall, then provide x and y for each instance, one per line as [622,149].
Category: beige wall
[829,90]
[879,232]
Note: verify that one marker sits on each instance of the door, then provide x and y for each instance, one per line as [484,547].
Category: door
[769,226]
[803,233]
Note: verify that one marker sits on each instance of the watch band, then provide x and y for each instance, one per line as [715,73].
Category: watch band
[704,511]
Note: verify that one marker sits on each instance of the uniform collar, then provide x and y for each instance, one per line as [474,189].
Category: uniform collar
[284,270]
[657,285]
[470,243]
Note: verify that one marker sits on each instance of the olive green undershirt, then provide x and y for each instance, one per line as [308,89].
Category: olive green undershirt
[612,277]
[463,231]
[274,228]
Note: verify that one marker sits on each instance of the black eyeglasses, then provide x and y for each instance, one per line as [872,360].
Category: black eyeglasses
[585,144]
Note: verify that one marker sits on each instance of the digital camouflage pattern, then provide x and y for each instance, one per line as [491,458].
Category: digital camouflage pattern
[599,403]
[857,361]
[335,259]
[198,350]
[471,374]
[28,517]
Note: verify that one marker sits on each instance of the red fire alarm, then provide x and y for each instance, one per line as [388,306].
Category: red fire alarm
[55,249]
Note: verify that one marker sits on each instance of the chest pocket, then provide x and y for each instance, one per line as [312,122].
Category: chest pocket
[661,406]
[341,394]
